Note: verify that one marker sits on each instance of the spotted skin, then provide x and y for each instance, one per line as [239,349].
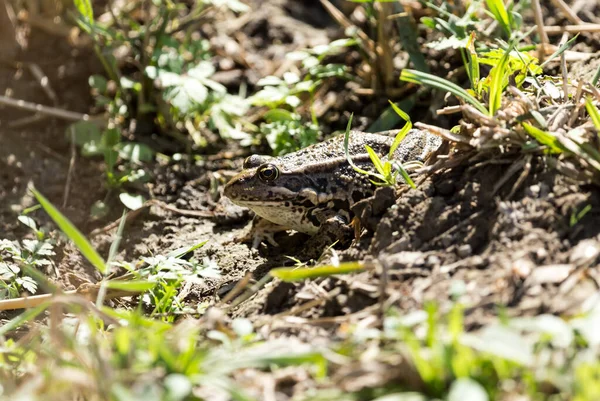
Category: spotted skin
[302,190]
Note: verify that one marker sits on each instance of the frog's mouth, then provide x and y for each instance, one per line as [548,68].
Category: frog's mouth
[243,194]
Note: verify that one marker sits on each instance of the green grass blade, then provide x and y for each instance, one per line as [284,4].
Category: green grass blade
[473,64]
[408,34]
[596,77]
[593,112]
[388,119]
[22,318]
[436,82]
[313,358]
[501,14]
[405,175]
[376,160]
[499,75]
[181,252]
[560,50]
[85,9]
[349,159]
[131,286]
[84,246]
[405,129]
[544,138]
[289,274]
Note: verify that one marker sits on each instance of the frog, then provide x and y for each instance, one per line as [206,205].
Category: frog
[312,190]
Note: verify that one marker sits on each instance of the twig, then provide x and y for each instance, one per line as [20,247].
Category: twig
[522,177]
[21,122]
[578,104]
[557,30]
[563,69]
[71,168]
[518,165]
[443,133]
[88,291]
[251,291]
[383,287]
[40,108]
[569,14]
[345,23]
[43,80]
[239,287]
[539,21]
[132,214]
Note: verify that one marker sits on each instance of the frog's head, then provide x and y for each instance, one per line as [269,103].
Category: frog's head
[264,182]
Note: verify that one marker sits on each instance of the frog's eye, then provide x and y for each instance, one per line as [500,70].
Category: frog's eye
[268,173]
[255,160]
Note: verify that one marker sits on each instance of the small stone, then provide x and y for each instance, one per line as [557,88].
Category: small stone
[433,261]
[550,274]
[533,191]
[522,268]
[464,251]
[541,254]
[585,252]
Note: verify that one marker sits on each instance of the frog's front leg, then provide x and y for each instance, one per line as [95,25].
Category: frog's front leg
[334,229]
[261,230]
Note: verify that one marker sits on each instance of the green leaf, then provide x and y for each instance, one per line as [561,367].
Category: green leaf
[473,64]
[560,50]
[436,82]
[405,175]
[313,358]
[180,252]
[85,9]
[84,246]
[22,318]
[498,10]
[499,76]
[346,144]
[295,274]
[388,119]
[467,389]
[544,138]
[87,135]
[376,160]
[131,286]
[405,129]
[135,152]
[98,82]
[132,201]
[28,221]
[278,115]
[593,112]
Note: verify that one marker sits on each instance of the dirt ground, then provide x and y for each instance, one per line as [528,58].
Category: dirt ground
[485,232]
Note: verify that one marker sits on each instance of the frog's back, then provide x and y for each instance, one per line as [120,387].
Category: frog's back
[333,149]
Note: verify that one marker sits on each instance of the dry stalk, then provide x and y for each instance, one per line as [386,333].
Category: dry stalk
[585,28]
[569,14]
[539,21]
[40,108]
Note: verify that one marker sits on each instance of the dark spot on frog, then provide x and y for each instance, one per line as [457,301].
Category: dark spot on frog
[293,184]
[312,218]
[322,184]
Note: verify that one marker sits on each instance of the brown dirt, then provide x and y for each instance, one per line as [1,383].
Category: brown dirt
[452,237]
